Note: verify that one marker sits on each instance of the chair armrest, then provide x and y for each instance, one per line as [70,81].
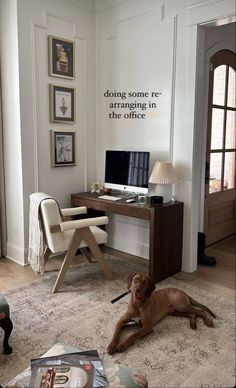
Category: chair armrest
[74,211]
[77,224]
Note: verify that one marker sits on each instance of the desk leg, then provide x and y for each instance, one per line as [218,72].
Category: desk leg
[153,251]
[165,245]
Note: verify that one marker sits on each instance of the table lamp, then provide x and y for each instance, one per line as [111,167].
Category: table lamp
[163,173]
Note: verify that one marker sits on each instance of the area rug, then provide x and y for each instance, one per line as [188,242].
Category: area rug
[81,315]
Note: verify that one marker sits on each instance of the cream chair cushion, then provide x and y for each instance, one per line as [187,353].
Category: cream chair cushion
[60,241]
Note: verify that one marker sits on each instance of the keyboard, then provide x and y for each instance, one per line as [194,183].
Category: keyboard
[109,197]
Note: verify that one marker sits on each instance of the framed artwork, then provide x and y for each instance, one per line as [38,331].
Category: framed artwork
[61,57]
[62,104]
[63,148]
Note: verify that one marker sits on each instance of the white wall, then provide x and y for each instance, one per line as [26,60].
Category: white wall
[147,45]
[132,57]
[12,129]
[138,48]
[152,45]
[36,20]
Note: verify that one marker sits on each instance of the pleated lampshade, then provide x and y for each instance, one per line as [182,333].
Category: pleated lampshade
[163,173]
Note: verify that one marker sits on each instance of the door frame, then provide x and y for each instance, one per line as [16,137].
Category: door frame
[214,49]
[197,87]
[222,196]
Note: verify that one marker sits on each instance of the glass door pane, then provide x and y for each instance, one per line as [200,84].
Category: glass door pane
[230,141]
[229,172]
[217,129]
[231,88]
[219,85]
[215,172]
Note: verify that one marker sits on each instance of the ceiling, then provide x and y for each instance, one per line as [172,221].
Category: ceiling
[95,5]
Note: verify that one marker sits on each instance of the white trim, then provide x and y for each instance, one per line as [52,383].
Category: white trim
[34,103]
[173,79]
[210,11]
[136,222]
[132,247]
[203,4]
[17,254]
[137,15]
[78,36]
[163,19]
[105,7]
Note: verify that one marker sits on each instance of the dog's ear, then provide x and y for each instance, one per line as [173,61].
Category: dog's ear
[151,287]
[129,279]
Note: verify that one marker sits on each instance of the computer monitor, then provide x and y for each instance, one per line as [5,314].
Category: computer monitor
[127,171]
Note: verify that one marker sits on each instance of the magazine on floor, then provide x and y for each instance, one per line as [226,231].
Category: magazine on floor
[79,369]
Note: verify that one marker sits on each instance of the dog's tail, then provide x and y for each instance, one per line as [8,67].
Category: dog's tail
[195,303]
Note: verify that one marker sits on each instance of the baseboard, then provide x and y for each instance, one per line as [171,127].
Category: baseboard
[17,254]
[129,246]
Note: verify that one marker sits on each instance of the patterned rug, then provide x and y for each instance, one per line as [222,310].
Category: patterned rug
[81,315]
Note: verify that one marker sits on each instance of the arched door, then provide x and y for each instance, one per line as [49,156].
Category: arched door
[219,212]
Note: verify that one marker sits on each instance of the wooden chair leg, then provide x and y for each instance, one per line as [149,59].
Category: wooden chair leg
[76,240]
[46,254]
[89,238]
[83,234]
[87,255]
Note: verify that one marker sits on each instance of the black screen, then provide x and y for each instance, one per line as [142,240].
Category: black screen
[127,168]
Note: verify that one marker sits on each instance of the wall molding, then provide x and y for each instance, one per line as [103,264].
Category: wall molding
[210,11]
[132,247]
[202,4]
[35,126]
[163,19]
[78,36]
[119,219]
[17,254]
[132,244]
[106,7]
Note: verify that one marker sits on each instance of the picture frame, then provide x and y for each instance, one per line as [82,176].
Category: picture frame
[62,104]
[63,148]
[61,57]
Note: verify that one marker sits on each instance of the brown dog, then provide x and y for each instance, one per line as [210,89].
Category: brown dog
[150,307]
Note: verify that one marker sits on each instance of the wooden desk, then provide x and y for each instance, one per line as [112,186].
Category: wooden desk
[166,229]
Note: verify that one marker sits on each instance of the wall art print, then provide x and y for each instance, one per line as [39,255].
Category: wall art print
[63,148]
[62,104]
[61,57]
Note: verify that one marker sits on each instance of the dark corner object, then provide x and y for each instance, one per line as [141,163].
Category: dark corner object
[7,326]
[201,257]
[156,200]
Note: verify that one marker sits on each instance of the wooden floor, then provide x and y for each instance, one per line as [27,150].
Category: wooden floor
[219,279]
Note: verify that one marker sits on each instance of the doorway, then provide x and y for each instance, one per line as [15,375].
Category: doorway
[219,206]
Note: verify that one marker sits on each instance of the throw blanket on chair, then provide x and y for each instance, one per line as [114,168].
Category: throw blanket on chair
[36,241]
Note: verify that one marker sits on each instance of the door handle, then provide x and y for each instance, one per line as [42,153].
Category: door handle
[209,179]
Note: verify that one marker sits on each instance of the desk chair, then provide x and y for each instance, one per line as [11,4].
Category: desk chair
[69,236]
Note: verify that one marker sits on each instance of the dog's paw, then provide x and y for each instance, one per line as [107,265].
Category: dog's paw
[209,322]
[193,325]
[121,347]
[112,347]
[7,349]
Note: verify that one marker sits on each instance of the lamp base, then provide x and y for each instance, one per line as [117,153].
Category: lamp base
[173,198]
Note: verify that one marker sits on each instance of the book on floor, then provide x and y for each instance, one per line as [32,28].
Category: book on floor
[79,369]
